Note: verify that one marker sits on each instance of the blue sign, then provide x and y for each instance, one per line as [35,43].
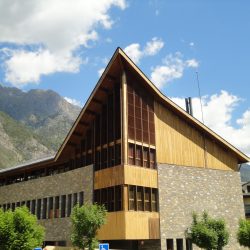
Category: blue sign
[104,246]
[38,248]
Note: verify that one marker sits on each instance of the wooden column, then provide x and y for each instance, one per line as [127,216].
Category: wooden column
[124,118]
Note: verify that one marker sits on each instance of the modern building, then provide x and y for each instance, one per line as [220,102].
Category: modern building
[147,160]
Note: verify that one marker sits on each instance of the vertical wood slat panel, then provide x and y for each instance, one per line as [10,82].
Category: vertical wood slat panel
[179,143]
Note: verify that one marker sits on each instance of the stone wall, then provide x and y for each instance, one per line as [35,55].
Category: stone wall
[74,181]
[184,190]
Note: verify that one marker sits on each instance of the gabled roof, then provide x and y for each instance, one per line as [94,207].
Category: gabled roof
[112,73]
[121,58]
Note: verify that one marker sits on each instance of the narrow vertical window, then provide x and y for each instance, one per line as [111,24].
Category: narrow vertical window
[33,206]
[104,196]
[154,200]
[111,199]
[139,197]
[131,197]
[38,211]
[170,244]
[81,198]
[63,206]
[74,199]
[138,155]
[13,206]
[28,205]
[131,154]
[179,244]
[147,199]
[146,157]
[51,207]
[44,216]
[97,196]
[118,198]
[152,158]
[56,207]
[69,205]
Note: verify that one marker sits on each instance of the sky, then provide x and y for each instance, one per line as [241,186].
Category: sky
[64,45]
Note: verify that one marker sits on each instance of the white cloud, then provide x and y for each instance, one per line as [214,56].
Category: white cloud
[172,68]
[152,47]
[191,44]
[193,63]
[56,27]
[73,101]
[27,66]
[100,71]
[218,115]
[134,52]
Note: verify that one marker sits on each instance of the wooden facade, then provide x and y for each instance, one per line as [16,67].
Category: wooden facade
[126,127]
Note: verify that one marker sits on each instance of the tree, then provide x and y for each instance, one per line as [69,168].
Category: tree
[243,234]
[86,220]
[208,233]
[19,230]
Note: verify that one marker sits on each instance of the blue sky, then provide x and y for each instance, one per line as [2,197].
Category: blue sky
[62,45]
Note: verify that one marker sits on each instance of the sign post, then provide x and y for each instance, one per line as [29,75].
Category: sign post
[104,246]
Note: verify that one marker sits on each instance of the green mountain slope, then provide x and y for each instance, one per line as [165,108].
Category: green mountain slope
[32,124]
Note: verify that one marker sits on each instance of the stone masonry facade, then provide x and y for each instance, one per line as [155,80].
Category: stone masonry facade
[184,190]
[74,181]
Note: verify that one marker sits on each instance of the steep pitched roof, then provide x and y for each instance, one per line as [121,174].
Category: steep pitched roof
[121,58]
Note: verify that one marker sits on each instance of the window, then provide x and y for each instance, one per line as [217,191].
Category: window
[189,244]
[51,207]
[28,205]
[131,197]
[138,155]
[38,212]
[139,197]
[146,157]
[56,215]
[118,198]
[81,198]
[131,154]
[69,205]
[247,210]
[170,244]
[33,206]
[74,199]
[110,197]
[179,244]
[152,158]
[63,206]
[44,216]
[147,199]
[143,198]
[154,200]
[104,197]
[13,206]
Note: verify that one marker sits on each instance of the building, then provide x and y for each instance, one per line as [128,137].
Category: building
[134,150]
[246,198]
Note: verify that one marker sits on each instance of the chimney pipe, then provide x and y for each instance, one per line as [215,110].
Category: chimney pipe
[189,107]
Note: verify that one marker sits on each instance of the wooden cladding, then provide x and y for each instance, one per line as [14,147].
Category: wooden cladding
[126,174]
[179,143]
[141,125]
[110,197]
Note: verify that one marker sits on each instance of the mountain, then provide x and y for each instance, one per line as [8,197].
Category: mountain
[33,124]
